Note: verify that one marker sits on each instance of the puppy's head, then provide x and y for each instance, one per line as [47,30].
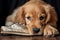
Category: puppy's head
[35,17]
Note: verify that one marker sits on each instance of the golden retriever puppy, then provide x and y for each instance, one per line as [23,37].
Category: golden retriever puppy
[38,16]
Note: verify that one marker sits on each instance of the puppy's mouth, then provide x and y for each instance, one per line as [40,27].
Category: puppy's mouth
[37,31]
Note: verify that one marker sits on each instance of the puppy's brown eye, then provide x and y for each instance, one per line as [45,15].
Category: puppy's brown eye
[28,17]
[41,18]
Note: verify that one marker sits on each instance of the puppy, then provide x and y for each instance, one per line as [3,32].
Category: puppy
[38,16]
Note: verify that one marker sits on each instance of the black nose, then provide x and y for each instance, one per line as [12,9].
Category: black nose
[36,30]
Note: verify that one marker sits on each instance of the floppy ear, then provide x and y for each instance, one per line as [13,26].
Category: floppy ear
[54,18]
[20,16]
[51,15]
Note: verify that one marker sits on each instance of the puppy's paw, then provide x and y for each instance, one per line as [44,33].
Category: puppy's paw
[50,31]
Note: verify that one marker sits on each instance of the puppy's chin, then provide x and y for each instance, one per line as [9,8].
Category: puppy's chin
[39,33]
[36,33]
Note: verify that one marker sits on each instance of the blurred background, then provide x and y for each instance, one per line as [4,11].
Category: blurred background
[7,7]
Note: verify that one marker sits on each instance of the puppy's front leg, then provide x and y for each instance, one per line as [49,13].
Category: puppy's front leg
[50,31]
[9,20]
[8,23]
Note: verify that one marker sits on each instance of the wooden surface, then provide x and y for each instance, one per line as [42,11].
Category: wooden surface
[28,38]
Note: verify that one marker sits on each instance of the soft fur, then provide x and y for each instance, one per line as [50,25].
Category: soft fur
[35,9]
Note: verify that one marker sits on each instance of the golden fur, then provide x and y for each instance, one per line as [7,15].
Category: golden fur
[35,9]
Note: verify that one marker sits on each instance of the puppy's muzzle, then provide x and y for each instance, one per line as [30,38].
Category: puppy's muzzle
[36,30]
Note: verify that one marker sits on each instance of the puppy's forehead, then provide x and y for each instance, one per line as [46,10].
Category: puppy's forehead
[33,9]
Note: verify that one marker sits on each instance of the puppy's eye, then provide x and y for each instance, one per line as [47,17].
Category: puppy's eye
[28,17]
[41,17]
